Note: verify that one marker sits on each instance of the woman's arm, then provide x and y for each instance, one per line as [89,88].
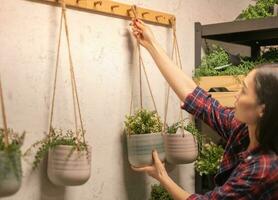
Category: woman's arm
[196,101]
[179,81]
[158,171]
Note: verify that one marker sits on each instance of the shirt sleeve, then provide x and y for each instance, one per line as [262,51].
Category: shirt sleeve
[252,182]
[200,104]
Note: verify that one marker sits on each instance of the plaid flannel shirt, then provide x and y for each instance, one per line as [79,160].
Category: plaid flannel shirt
[243,175]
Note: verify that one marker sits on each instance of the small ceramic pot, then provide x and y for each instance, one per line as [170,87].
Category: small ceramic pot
[180,148]
[140,148]
[10,173]
[68,167]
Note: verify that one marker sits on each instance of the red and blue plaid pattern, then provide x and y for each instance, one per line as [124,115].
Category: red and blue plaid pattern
[243,175]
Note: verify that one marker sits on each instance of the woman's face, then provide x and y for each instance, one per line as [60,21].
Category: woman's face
[247,109]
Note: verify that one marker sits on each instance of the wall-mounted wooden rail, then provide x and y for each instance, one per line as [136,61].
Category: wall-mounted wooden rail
[118,9]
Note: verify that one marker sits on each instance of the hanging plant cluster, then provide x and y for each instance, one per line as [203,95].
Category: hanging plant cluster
[56,138]
[69,156]
[177,144]
[10,155]
[10,162]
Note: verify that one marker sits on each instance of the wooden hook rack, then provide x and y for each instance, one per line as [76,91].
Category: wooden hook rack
[122,10]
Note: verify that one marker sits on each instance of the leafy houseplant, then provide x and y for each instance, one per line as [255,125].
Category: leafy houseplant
[10,162]
[262,9]
[181,143]
[221,71]
[69,158]
[209,159]
[143,131]
[218,57]
[160,193]
[143,122]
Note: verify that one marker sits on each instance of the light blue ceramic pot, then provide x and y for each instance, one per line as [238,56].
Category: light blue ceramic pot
[10,173]
[140,148]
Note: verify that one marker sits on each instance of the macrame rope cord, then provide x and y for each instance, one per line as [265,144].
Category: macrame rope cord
[77,110]
[4,117]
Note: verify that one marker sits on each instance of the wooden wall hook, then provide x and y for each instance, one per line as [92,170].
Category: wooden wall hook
[97,3]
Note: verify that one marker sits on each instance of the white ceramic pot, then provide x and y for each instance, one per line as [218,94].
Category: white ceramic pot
[180,148]
[140,148]
[68,167]
[10,173]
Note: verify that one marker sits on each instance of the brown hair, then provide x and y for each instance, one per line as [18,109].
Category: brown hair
[266,88]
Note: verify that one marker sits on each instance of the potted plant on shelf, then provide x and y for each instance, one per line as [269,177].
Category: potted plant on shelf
[10,162]
[69,158]
[181,143]
[222,74]
[158,192]
[144,134]
[208,162]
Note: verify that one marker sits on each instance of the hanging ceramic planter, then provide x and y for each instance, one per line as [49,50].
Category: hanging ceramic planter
[69,158]
[140,148]
[10,156]
[181,147]
[180,141]
[143,136]
[143,128]
[68,166]
[10,173]
[69,155]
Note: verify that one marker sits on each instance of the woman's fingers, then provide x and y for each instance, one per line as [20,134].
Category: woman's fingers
[139,24]
[156,159]
[141,169]
[136,29]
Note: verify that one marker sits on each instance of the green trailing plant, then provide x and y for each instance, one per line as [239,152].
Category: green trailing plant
[57,137]
[160,193]
[143,122]
[262,9]
[15,141]
[11,154]
[216,57]
[209,159]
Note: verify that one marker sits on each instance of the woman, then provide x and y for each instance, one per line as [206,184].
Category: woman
[249,169]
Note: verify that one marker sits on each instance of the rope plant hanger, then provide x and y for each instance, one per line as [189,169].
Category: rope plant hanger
[141,66]
[75,98]
[176,57]
[61,170]
[5,129]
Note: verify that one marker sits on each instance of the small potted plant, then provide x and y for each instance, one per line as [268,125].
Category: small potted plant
[10,162]
[69,158]
[158,192]
[181,143]
[222,74]
[208,162]
[144,134]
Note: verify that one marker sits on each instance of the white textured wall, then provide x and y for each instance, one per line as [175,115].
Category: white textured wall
[104,59]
